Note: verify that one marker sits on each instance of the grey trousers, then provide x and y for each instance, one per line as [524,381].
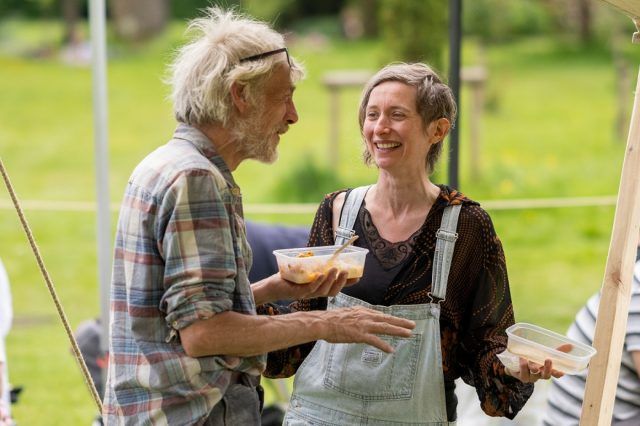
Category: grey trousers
[240,405]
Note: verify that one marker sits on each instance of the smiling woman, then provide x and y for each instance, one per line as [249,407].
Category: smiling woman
[434,257]
[394,132]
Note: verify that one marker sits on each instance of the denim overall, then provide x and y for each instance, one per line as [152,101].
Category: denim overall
[358,384]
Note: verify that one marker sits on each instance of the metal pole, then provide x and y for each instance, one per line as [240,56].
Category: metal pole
[455,28]
[97,12]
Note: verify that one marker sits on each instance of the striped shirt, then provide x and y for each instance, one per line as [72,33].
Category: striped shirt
[181,255]
[564,403]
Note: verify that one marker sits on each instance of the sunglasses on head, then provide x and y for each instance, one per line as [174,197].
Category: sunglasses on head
[267,54]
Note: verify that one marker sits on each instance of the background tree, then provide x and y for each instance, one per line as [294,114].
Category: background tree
[414,30]
[369,12]
[70,15]
[140,19]
[515,19]
[583,13]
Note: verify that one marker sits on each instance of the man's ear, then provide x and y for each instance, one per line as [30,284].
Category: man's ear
[238,97]
[441,128]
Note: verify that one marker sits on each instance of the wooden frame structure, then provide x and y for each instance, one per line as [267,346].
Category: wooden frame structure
[597,406]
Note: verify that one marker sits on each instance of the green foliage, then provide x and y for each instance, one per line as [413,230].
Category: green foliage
[501,20]
[277,12]
[188,9]
[286,13]
[29,8]
[414,30]
[306,182]
[325,25]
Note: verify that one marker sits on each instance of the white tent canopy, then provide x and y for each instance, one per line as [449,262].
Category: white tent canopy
[97,18]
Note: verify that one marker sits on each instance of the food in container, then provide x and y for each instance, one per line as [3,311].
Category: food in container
[538,344]
[304,265]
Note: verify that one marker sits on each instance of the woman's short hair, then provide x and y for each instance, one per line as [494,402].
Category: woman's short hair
[204,69]
[434,100]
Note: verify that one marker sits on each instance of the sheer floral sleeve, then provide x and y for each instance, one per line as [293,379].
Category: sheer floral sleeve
[491,312]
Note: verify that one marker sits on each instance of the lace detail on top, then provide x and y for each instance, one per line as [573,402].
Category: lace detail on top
[388,254]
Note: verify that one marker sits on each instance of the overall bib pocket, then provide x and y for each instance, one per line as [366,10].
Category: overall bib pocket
[365,372]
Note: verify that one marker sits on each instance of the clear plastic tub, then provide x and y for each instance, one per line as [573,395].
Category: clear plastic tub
[538,344]
[303,265]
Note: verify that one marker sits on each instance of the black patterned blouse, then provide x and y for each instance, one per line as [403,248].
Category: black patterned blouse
[474,315]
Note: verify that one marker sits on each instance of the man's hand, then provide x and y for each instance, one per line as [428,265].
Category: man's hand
[326,285]
[276,288]
[531,372]
[362,325]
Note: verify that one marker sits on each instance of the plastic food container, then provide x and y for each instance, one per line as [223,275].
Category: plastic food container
[538,344]
[303,265]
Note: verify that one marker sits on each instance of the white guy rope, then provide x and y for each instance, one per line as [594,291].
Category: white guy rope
[310,208]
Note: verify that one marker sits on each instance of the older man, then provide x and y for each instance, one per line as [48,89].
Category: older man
[186,345]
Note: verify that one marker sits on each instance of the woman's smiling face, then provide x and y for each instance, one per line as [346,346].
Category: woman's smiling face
[393,129]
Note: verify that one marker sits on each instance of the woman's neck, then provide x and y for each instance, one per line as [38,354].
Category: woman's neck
[399,207]
[398,194]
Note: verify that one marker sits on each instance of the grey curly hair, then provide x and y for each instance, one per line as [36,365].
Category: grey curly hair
[203,70]
[434,100]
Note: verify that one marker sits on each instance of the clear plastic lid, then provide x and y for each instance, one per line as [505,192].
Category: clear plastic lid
[538,344]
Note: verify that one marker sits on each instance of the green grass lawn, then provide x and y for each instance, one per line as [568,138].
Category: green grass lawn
[547,131]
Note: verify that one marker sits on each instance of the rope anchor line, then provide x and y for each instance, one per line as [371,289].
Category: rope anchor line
[52,290]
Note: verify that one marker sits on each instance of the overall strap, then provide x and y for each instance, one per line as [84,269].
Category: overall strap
[350,209]
[445,242]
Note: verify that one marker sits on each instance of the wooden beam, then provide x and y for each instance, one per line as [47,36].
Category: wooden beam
[335,81]
[597,407]
[630,7]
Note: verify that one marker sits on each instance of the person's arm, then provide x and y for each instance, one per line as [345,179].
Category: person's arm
[491,312]
[6,308]
[1,381]
[6,315]
[198,244]
[632,336]
[285,362]
[275,288]
[232,333]
[635,355]
[5,419]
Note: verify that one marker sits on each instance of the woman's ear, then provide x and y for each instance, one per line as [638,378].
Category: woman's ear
[238,97]
[441,128]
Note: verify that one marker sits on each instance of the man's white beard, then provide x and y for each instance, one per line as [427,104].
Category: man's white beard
[254,141]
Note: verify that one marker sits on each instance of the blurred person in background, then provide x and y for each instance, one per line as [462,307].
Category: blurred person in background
[434,257]
[564,400]
[6,317]
[186,343]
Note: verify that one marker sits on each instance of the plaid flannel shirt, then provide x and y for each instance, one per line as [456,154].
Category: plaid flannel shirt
[181,255]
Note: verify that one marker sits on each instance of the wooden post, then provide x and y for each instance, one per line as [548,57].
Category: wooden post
[602,380]
[336,81]
[334,126]
[475,77]
[611,323]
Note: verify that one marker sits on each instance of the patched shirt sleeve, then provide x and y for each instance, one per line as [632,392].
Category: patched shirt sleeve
[197,246]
